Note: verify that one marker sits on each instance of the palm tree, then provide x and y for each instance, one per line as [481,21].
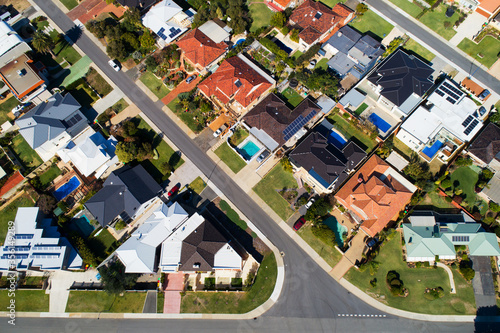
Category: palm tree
[42,42]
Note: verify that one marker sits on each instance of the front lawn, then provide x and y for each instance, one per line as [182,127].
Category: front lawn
[102,244]
[101,301]
[488,48]
[323,64]
[435,20]
[49,175]
[197,185]
[6,109]
[160,302]
[65,52]
[418,49]
[466,179]
[292,97]
[154,84]
[232,302]
[230,157]
[119,106]
[416,280]
[196,119]
[97,82]
[70,4]
[331,3]
[267,189]
[24,153]
[9,213]
[373,23]
[352,133]
[327,251]
[408,7]
[260,14]
[26,300]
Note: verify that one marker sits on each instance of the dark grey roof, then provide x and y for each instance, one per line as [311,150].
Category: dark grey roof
[124,191]
[400,76]
[366,50]
[344,39]
[136,3]
[486,145]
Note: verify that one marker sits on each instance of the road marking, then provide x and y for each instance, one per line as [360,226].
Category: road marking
[361,315]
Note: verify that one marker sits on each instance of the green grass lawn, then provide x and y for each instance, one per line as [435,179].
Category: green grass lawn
[466,179]
[323,64]
[6,108]
[373,23]
[26,300]
[232,215]
[66,52]
[296,54]
[238,136]
[70,4]
[328,252]
[42,25]
[100,301]
[187,117]
[101,245]
[96,81]
[120,106]
[331,3]
[418,49]
[84,95]
[230,157]
[260,14]
[416,280]
[401,148]
[154,84]
[49,175]
[9,213]
[408,7]
[197,185]
[292,97]
[267,189]
[435,20]
[361,109]
[489,47]
[24,153]
[232,302]
[433,199]
[351,132]
[160,302]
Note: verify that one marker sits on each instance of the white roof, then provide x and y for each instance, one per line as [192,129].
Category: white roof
[2,172]
[162,19]
[227,258]
[8,38]
[397,161]
[214,31]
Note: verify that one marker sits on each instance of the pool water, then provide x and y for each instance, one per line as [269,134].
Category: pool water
[64,190]
[82,225]
[249,150]
[336,139]
[381,124]
[239,41]
[338,228]
[432,150]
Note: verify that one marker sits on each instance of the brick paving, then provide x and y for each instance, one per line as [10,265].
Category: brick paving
[182,87]
[174,285]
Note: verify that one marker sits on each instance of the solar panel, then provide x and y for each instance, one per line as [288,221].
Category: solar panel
[471,127]
[467,121]
[439,92]
[161,30]
[238,83]
[172,29]
[452,88]
[297,124]
[449,92]
[451,100]
[318,15]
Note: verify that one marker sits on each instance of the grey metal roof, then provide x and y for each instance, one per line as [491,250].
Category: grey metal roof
[341,63]
[344,39]
[354,98]
[492,190]
[366,50]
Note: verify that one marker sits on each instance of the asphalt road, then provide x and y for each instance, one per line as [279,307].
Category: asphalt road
[448,52]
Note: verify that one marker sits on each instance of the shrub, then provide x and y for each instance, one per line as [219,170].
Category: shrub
[324,233]
[446,183]
[120,225]
[395,284]
[285,163]
[463,161]
[466,269]
[210,283]
[494,206]
[373,282]
[434,293]
[236,282]
[418,264]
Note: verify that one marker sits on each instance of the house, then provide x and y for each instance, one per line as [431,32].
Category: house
[485,149]
[12,183]
[168,21]
[316,21]
[126,194]
[491,192]
[451,119]
[274,124]
[205,46]
[488,8]
[237,84]
[35,244]
[375,195]
[139,4]
[91,153]
[352,52]
[475,89]
[52,124]
[12,45]
[324,159]
[173,241]
[281,5]
[431,235]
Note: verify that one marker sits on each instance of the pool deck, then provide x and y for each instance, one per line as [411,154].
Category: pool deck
[256,142]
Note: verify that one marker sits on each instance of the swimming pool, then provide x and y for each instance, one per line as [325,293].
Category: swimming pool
[282,46]
[249,150]
[336,139]
[338,228]
[381,124]
[82,225]
[64,190]
[432,150]
[239,41]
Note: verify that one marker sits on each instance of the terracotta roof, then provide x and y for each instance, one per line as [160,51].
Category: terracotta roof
[235,79]
[309,35]
[12,182]
[486,146]
[472,86]
[489,5]
[374,199]
[200,49]
[282,3]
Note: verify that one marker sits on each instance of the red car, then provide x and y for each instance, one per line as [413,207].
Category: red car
[297,225]
[173,190]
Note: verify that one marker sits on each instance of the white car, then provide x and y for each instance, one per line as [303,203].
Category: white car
[309,203]
[218,132]
[113,64]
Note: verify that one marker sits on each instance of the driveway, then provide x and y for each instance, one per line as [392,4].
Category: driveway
[468,28]
[150,303]
[174,285]
[205,140]
[484,290]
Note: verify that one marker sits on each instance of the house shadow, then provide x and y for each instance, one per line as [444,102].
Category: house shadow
[486,320]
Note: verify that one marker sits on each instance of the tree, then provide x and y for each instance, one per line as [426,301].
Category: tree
[42,42]
[220,13]
[285,163]
[495,117]
[147,40]
[131,41]
[278,20]
[114,278]
[133,16]
[116,49]
[463,161]
[151,63]
[466,269]
[85,252]
[120,225]
[494,207]
[126,151]
[361,9]
[324,233]
[393,45]
[129,129]
[295,35]
[46,203]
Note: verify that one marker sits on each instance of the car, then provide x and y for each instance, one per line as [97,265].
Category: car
[297,225]
[484,94]
[174,190]
[312,63]
[220,130]
[113,64]
[371,242]
[309,203]
[190,79]
[263,156]
[482,111]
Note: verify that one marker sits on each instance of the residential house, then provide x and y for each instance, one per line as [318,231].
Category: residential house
[324,159]
[488,8]
[375,195]
[281,5]
[168,21]
[35,244]
[431,235]
[485,149]
[205,46]
[237,84]
[91,153]
[316,21]
[52,124]
[173,241]
[274,124]
[491,192]
[126,194]
[475,89]
[451,119]
[12,45]
[139,4]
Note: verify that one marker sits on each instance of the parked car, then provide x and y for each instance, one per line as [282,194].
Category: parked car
[484,94]
[113,64]
[309,203]
[312,63]
[297,225]
[190,79]
[263,156]
[174,190]
[371,242]
[220,130]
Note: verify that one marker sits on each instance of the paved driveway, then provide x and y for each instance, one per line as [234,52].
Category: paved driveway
[484,290]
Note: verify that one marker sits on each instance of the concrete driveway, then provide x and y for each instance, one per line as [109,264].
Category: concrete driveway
[484,290]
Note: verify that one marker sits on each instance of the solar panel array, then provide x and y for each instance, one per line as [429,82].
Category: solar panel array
[297,124]
[45,256]
[454,94]
[238,83]
[173,32]
[460,238]
[23,236]
[161,34]
[467,121]
[471,127]
[73,120]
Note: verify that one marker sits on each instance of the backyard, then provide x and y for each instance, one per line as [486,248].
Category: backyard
[230,157]
[361,109]
[154,84]
[323,64]
[371,22]
[436,21]
[101,301]
[49,175]
[260,14]
[418,49]
[232,302]
[24,153]
[488,48]
[102,244]
[9,213]
[434,201]
[6,108]
[416,280]
[466,179]
[351,132]
[292,97]
[26,300]
[267,189]
[328,252]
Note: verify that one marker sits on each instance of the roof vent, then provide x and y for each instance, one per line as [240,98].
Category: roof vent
[121,193]
[20,72]
[340,33]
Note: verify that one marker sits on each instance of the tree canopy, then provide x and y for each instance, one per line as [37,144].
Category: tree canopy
[114,278]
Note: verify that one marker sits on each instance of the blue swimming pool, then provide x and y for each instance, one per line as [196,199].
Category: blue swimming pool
[82,225]
[338,228]
[381,124]
[282,46]
[249,150]
[432,150]
[64,190]
[239,41]
[336,139]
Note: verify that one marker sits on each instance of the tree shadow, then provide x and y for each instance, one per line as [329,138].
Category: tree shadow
[486,320]
[74,33]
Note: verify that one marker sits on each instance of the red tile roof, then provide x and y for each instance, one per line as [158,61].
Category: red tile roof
[12,182]
[373,200]
[222,83]
[200,49]
[282,3]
